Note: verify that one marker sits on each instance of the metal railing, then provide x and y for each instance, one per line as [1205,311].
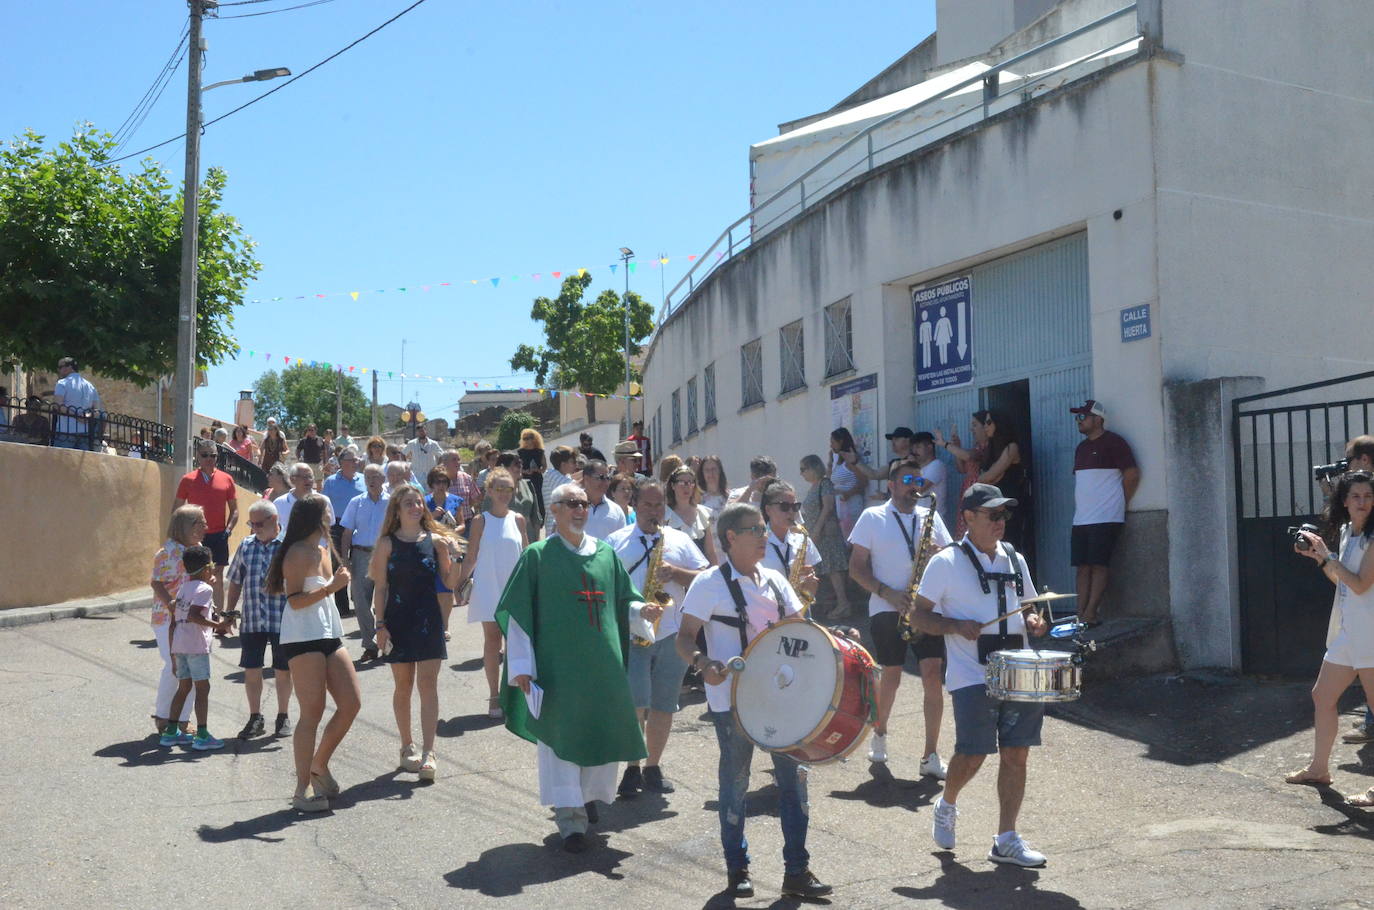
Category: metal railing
[734,239]
[33,421]
[245,473]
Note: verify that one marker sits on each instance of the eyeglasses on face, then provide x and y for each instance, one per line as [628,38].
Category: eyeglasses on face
[999,515]
[259,524]
[786,506]
[598,477]
[754,530]
[1079,418]
[574,504]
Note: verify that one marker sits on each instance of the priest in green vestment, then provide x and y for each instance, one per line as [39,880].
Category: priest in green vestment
[566,613]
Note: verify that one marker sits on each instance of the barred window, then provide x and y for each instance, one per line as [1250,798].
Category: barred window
[691,406]
[710,390]
[677,416]
[792,359]
[751,372]
[839,338]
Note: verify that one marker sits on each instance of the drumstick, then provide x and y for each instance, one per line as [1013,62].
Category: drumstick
[1027,604]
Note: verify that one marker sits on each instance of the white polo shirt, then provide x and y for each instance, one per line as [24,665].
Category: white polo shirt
[604,518]
[878,531]
[951,583]
[709,596]
[284,504]
[778,554]
[632,545]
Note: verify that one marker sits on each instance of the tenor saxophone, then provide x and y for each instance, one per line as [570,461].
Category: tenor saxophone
[794,571]
[653,591]
[924,549]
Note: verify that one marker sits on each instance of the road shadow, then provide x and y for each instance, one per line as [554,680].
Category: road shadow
[259,828]
[101,617]
[510,869]
[884,791]
[384,786]
[722,901]
[144,643]
[998,886]
[466,723]
[467,665]
[642,809]
[1358,822]
[1364,763]
[146,752]
[237,675]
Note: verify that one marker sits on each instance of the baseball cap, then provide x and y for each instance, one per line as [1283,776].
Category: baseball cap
[923,436]
[1091,406]
[984,496]
[901,433]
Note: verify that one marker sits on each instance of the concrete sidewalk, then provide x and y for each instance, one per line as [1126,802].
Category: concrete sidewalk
[122,602]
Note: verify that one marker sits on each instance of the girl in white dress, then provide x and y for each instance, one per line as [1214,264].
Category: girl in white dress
[1351,651]
[495,540]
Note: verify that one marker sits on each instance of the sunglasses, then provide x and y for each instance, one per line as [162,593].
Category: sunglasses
[913,479]
[999,515]
[259,524]
[598,477]
[575,504]
[1079,418]
[207,455]
[755,530]
[786,506]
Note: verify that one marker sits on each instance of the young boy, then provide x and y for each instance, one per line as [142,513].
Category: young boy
[190,637]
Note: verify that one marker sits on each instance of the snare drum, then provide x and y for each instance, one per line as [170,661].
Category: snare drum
[1034,676]
[804,692]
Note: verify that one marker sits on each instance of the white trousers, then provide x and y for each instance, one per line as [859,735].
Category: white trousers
[167,682]
[563,784]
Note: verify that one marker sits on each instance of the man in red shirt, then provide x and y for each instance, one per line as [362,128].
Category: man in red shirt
[214,491]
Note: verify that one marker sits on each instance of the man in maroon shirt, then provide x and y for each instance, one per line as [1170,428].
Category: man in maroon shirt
[1105,478]
[214,491]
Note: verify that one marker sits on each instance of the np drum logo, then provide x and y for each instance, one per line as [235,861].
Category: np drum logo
[793,647]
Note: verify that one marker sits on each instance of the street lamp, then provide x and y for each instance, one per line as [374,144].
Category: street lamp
[184,382]
[626,254]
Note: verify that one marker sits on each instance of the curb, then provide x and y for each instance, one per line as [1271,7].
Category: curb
[122,602]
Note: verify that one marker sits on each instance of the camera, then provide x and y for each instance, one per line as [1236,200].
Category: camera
[1322,472]
[1294,534]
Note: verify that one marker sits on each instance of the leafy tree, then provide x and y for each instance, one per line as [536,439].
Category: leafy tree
[512,422]
[584,343]
[301,395]
[90,260]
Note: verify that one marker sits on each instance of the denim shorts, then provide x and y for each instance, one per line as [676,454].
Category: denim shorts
[191,666]
[253,648]
[982,725]
[656,674]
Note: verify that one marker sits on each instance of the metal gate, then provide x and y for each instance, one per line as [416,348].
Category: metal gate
[1277,437]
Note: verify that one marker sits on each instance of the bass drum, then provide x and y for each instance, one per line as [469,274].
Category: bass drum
[805,692]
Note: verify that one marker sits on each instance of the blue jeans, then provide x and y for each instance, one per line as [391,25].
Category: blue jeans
[736,753]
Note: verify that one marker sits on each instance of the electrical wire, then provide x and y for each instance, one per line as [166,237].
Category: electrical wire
[138,124]
[278,88]
[159,82]
[284,9]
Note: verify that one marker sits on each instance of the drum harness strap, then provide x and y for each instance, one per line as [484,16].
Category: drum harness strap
[986,578]
[741,618]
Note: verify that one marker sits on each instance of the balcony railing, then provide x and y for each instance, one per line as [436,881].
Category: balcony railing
[34,421]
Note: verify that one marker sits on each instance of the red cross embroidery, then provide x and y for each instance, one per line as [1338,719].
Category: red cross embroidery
[593,598]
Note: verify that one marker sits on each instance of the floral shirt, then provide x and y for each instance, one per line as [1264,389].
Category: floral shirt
[167,569]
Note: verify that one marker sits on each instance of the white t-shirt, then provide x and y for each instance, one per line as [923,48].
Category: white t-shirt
[778,554]
[951,583]
[709,596]
[423,457]
[284,504]
[603,519]
[935,473]
[879,530]
[632,544]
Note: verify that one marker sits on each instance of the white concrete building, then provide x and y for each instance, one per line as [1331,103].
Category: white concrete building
[1173,208]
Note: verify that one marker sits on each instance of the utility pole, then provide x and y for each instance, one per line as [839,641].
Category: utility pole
[626,254]
[376,430]
[184,385]
[338,403]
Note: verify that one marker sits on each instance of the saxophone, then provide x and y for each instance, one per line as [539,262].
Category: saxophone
[653,591]
[794,571]
[924,550]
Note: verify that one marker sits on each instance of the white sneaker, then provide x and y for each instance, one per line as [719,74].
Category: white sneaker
[1018,853]
[932,766]
[942,829]
[877,749]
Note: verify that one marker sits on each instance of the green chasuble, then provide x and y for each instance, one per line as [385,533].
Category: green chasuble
[575,610]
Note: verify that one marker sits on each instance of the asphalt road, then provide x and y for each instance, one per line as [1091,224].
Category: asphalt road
[1153,793]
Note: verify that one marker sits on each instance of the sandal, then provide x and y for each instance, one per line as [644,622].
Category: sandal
[324,783]
[1307,778]
[1364,801]
[494,710]
[310,803]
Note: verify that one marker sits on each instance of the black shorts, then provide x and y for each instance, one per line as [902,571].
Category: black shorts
[218,544]
[888,648]
[253,647]
[1092,545]
[293,649]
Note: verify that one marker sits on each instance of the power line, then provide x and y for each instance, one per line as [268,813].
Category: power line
[138,124]
[278,88]
[284,9]
[168,68]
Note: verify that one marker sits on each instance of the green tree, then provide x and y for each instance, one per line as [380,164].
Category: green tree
[90,260]
[584,344]
[512,422]
[302,394]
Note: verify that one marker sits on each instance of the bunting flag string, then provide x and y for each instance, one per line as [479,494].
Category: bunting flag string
[467,382]
[494,281]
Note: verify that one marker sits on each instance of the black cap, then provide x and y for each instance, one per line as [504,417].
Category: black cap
[923,436]
[901,433]
[984,496]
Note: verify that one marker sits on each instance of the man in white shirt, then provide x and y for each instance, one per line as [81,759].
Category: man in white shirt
[302,479]
[885,541]
[605,516]
[963,587]
[734,602]
[562,465]
[362,522]
[762,470]
[75,393]
[655,669]
[397,476]
[930,467]
[423,452]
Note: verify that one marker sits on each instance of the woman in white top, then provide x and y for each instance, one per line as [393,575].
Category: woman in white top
[712,487]
[1351,651]
[312,640]
[685,515]
[850,477]
[495,540]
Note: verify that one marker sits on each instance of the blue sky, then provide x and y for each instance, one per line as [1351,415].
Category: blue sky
[465,141]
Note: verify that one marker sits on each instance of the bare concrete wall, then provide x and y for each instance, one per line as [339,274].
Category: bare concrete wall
[81,524]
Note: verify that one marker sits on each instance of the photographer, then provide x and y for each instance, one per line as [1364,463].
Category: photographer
[1351,652]
[1359,456]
